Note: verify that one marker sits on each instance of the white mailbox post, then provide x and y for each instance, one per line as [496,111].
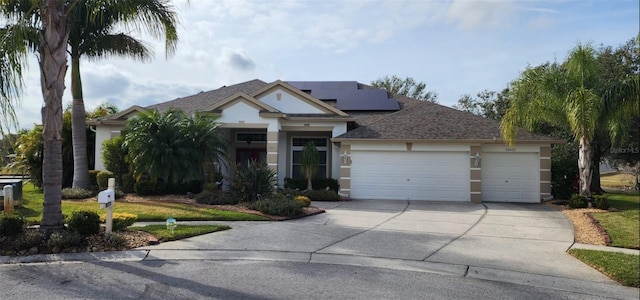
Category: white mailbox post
[106,199]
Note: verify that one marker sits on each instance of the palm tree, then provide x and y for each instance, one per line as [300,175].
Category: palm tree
[170,146]
[565,96]
[41,27]
[92,33]
[309,162]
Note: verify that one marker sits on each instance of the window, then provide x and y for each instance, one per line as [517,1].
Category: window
[250,137]
[296,152]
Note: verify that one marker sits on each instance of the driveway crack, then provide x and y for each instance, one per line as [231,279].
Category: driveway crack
[366,230]
[463,234]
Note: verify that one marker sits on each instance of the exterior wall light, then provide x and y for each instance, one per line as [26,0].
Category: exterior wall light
[345,157]
[476,159]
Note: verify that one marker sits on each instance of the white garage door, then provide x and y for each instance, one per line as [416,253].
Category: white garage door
[511,177]
[439,176]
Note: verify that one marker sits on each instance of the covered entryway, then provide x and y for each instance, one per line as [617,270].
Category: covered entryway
[410,175]
[511,177]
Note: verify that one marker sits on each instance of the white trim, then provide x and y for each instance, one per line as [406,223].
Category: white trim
[341,189]
[545,157]
[346,178]
[276,153]
[475,180]
[272,164]
[475,169]
[345,167]
[476,193]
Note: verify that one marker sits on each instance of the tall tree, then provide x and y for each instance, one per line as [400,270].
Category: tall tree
[93,33]
[566,96]
[40,26]
[407,87]
[489,104]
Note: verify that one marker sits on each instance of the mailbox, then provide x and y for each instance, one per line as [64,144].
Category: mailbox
[105,198]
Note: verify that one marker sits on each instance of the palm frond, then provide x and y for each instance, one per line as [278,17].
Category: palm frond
[116,45]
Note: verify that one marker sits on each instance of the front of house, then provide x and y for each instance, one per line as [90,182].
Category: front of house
[377,145]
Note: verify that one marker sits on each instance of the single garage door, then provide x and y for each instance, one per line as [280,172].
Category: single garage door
[395,175]
[511,177]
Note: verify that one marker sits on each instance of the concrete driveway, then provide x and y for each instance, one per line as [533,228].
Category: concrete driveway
[497,241]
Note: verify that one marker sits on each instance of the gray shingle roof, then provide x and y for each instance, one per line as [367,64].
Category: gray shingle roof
[431,121]
[203,100]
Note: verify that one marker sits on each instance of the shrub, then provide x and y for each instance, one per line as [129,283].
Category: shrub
[127,183]
[147,187]
[114,157]
[578,201]
[215,198]
[103,179]
[251,181]
[65,239]
[303,200]
[600,202]
[318,183]
[120,221]
[211,187]
[278,206]
[116,240]
[322,195]
[564,169]
[93,177]
[179,188]
[84,222]
[70,193]
[11,224]
[27,240]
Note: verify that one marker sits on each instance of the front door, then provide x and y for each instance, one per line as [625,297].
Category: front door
[258,154]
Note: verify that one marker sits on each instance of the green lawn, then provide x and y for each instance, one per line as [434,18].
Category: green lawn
[623,227]
[32,200]
[621,267]
[616,180]
[181,231]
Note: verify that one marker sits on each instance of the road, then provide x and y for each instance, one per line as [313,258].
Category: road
[185,279]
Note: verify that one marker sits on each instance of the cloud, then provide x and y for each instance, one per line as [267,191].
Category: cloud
[238,60]
[484,14]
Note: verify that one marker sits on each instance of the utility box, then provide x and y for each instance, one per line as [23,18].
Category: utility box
[17,190]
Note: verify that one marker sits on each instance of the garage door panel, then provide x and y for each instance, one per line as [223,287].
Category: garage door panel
[510,177]
[442,176]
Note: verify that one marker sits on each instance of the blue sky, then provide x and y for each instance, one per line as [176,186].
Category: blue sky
[456,47]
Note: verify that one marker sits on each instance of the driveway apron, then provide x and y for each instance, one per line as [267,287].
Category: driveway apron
[526,238]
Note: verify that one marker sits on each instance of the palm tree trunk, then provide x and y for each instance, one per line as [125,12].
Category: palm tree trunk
[78,127]
[53,67]
[584,166]
[596,157]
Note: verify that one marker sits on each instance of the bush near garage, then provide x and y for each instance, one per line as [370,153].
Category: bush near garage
[321,195]
[578,201]
[278,205]
[318,183]
[84,222]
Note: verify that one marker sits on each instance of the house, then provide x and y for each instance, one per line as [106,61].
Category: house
[378,145]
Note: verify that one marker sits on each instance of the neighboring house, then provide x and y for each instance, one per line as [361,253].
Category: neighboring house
[379,146]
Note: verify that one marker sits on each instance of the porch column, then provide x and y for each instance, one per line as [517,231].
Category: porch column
[272,150]
[345,170]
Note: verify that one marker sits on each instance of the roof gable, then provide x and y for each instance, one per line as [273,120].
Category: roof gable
[240,97]
[296,102]
[127,113]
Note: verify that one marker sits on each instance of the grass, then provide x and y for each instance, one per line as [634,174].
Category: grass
[616,180]
[622,227]
[32,200]
[620,267]
[181,231]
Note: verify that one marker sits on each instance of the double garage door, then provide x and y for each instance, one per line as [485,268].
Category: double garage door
[401,175]
[443,176]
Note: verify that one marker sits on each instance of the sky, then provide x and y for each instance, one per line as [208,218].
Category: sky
[456,47]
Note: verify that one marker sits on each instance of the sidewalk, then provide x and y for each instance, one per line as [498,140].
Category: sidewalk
[605,248]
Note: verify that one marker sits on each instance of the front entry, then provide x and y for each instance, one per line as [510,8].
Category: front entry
[258,154]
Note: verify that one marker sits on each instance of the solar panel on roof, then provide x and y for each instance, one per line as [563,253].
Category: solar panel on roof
[347,95]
